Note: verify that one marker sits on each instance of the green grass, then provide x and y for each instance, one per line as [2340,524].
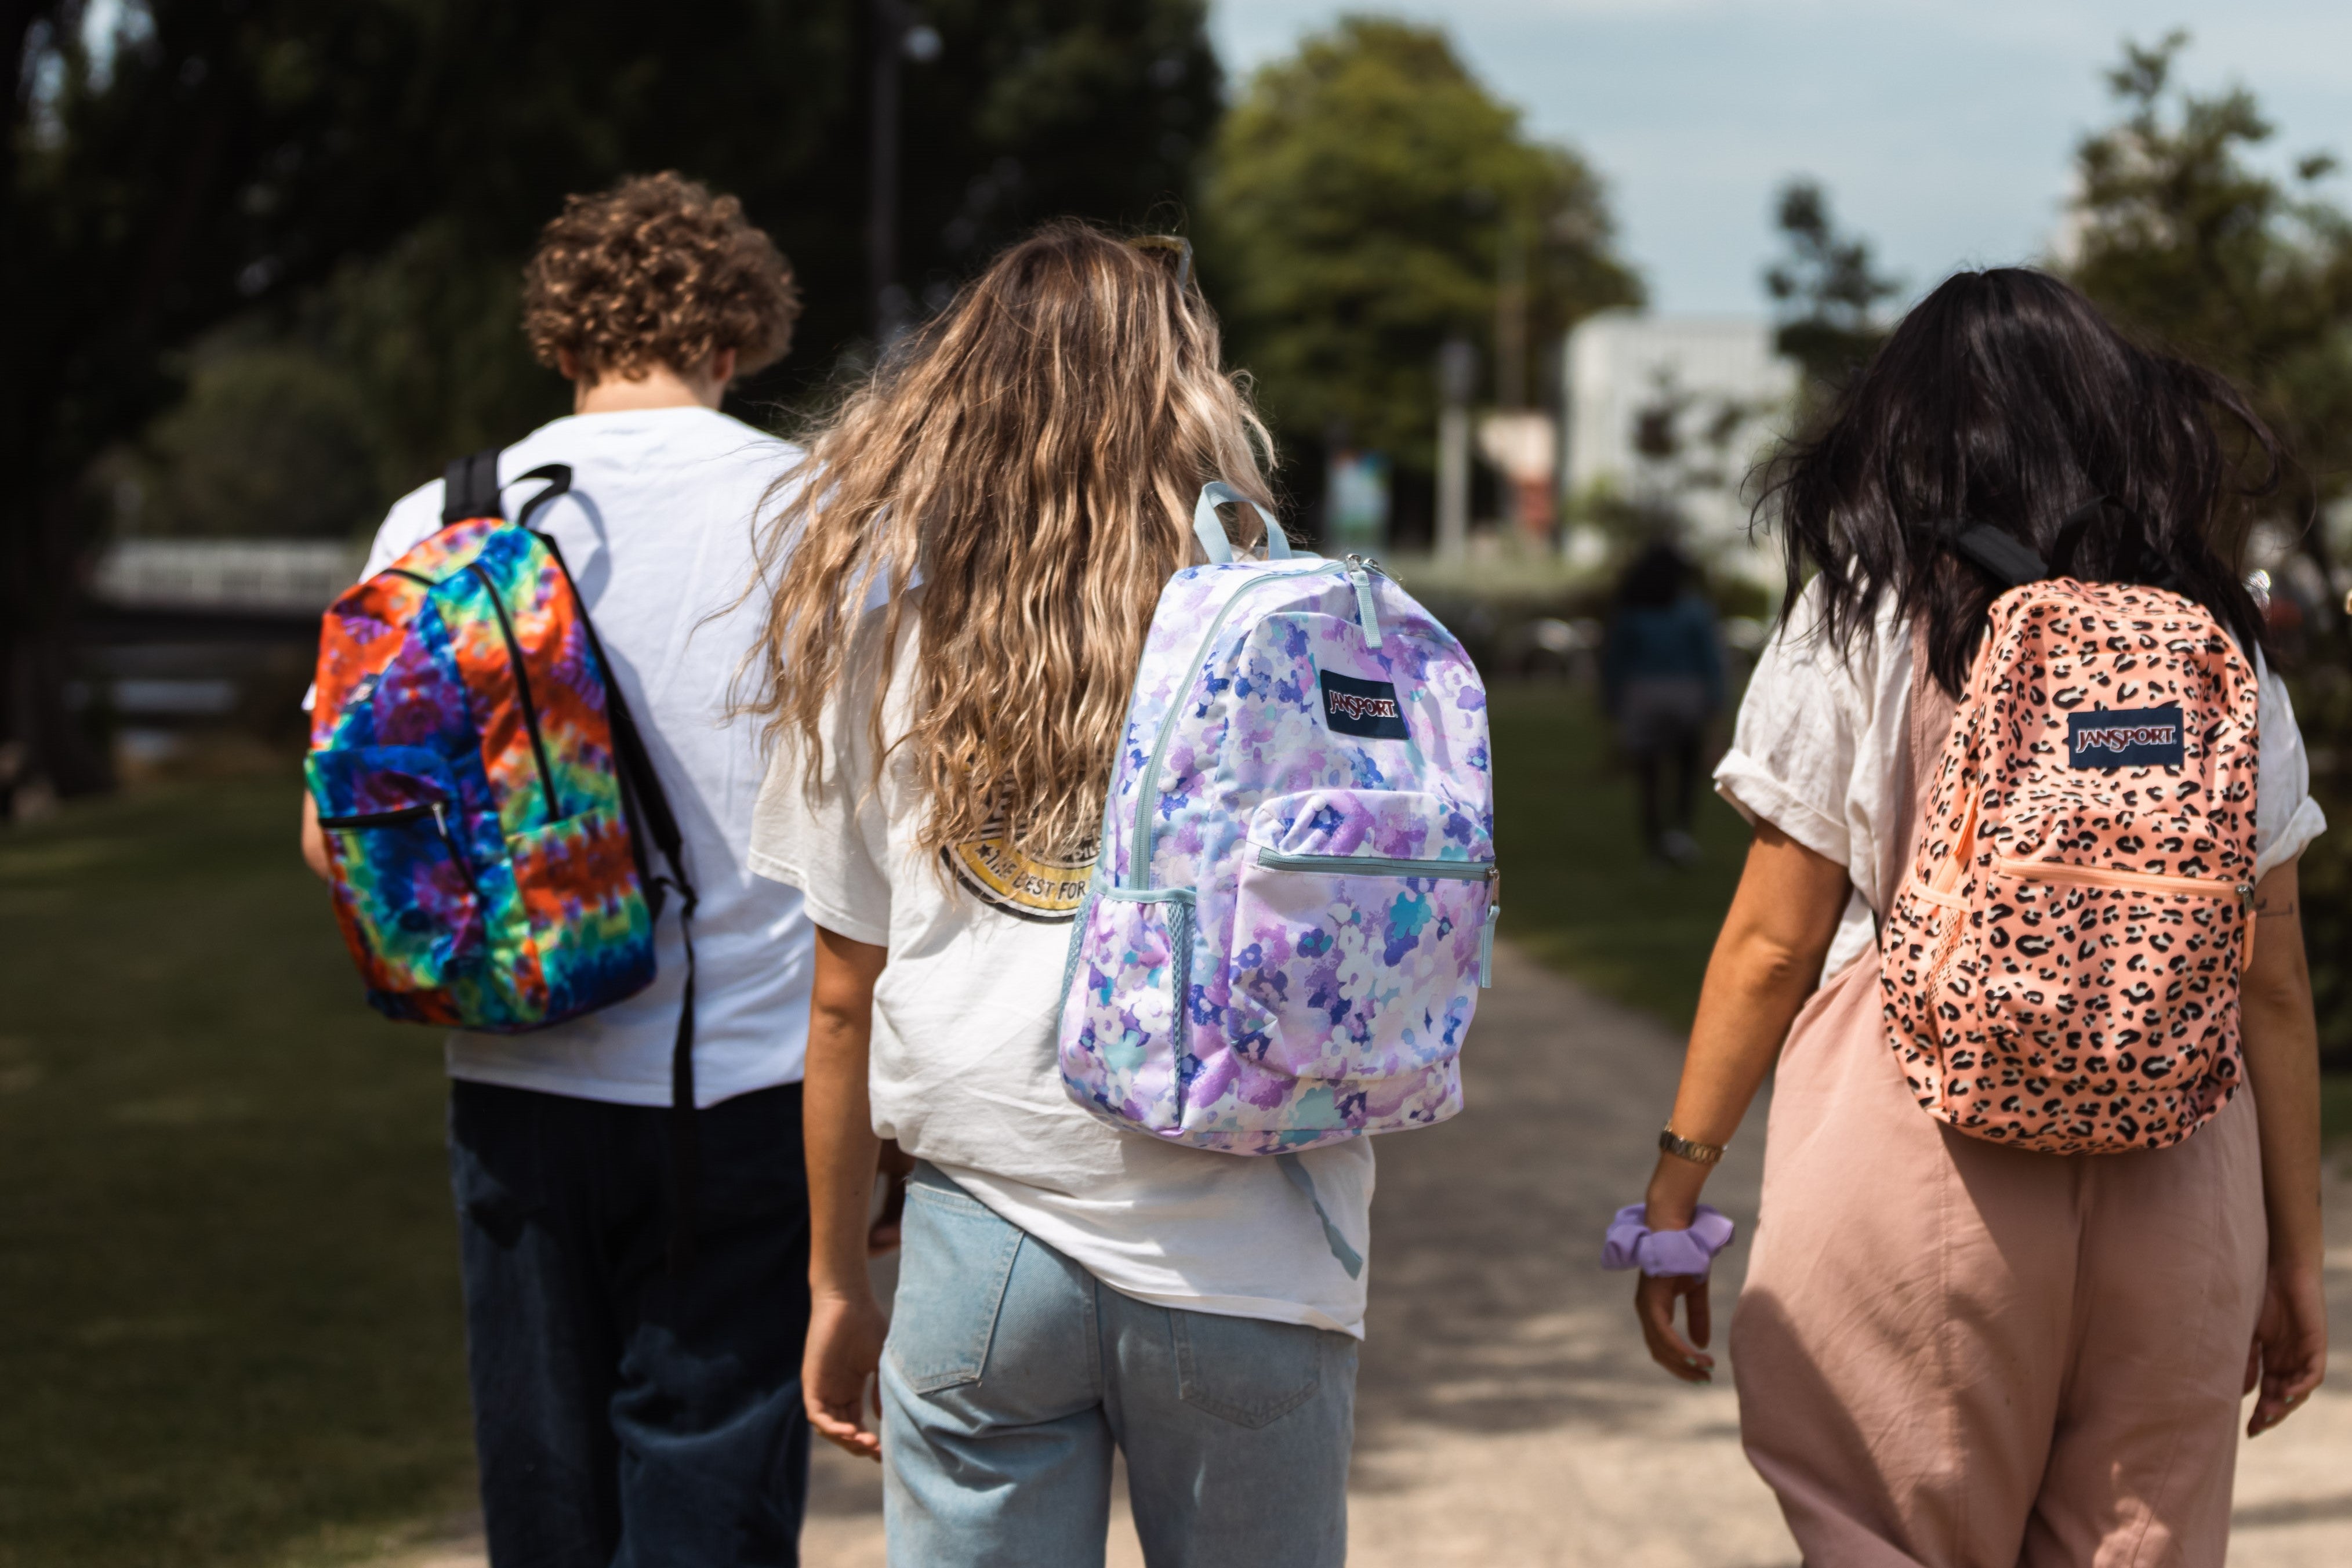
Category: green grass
[229,1317]
[1578,891]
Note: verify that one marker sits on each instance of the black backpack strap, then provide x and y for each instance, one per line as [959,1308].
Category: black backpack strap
[644,801]
[2012,564]
[469,487]
[1991,552]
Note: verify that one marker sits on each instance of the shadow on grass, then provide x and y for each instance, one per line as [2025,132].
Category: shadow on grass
[229,1318]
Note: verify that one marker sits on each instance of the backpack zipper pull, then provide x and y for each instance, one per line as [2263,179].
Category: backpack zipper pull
[1366,616]
[1486,948]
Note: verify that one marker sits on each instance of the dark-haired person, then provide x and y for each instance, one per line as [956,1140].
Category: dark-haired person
[1662,681]
[624,1413]
[1951,1353]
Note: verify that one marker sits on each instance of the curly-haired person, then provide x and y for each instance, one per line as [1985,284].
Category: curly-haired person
[623,1413]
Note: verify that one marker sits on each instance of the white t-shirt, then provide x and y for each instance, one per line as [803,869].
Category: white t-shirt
[1818,752]
[963,1065]
[659,532]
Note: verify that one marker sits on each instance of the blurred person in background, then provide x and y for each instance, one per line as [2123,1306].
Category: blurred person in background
[623,1412]
[1662,681]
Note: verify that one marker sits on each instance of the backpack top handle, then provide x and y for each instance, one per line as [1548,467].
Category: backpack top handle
[1212,532]
[470,488]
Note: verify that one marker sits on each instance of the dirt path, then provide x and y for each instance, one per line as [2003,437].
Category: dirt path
[1507,1417]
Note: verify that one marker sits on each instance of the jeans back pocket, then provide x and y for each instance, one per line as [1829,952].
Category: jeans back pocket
[1248,1371]
[954,1262]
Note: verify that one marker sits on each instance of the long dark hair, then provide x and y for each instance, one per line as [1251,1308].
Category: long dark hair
[2005,398]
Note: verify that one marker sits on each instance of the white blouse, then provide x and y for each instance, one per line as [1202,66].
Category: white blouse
[1818,752]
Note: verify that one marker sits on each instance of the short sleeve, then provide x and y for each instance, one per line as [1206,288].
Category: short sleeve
[2287,819]
[832,840]
[1794,748]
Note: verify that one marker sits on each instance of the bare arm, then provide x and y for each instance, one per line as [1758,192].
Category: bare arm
[845,1322]
[314,839]
[2280,1042]
[1767,961]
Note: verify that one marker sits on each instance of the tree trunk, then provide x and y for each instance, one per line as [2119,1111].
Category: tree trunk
[49,742]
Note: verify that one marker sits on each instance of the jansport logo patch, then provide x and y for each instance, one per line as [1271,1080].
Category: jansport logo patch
[2125,738]
[1366,708]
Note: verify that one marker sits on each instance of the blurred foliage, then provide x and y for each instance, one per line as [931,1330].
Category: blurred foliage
[346,192]
[272,439]
[1356,215]
[1827,289]
[2182,236]
[1024,111]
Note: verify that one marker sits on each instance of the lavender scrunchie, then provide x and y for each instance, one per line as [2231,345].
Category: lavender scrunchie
[1631,1242]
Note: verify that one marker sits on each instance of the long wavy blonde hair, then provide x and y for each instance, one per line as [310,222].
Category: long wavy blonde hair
[1036,450]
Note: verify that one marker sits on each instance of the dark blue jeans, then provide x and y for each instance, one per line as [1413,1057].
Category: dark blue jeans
[626,1417]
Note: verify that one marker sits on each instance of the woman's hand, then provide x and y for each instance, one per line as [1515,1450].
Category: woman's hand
[1766,960]
[844,1347]
[1654,1303]
[2289,1355]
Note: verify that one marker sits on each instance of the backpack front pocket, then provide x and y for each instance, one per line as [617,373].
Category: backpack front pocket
[1362,924]
[405,891]
[2075,1008]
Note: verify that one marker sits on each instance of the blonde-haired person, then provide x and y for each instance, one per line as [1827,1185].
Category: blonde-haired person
[970,573]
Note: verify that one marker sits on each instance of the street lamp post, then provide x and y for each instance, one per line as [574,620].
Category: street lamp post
[1457,377]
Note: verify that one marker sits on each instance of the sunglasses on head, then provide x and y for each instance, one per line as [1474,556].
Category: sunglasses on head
[1174,244]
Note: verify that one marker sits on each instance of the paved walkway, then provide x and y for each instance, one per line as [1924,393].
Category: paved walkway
[1507,1417]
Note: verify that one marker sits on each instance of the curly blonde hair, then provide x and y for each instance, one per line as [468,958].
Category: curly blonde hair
[656,270]
[1037,450]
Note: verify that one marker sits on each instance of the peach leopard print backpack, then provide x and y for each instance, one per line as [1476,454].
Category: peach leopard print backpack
[2061,967]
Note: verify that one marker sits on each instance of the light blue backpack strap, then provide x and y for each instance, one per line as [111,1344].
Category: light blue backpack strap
[1349,1259]
[1211,533]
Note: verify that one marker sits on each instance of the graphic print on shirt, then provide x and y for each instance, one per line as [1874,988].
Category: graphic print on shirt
[1019,880]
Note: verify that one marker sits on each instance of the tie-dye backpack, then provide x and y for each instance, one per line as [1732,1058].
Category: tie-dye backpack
[2060,968]
[481,788]
[1294,906]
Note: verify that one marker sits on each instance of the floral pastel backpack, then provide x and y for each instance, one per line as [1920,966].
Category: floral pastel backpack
[1292,909]
[2061,967]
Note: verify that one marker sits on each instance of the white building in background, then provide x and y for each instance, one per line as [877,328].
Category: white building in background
[1672,414]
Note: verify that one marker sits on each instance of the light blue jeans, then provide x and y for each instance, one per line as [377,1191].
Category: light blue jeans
[1011,1373]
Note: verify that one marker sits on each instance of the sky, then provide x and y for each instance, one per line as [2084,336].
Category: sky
[1944,131]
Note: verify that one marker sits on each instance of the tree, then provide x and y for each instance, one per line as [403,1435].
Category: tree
[2178,234]
[1828,290]
[1357,214]
[270,163]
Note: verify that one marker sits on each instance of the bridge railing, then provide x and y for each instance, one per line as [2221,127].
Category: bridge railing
[232,576]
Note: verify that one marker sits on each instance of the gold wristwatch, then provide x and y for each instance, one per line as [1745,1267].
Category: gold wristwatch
[1673,1142]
